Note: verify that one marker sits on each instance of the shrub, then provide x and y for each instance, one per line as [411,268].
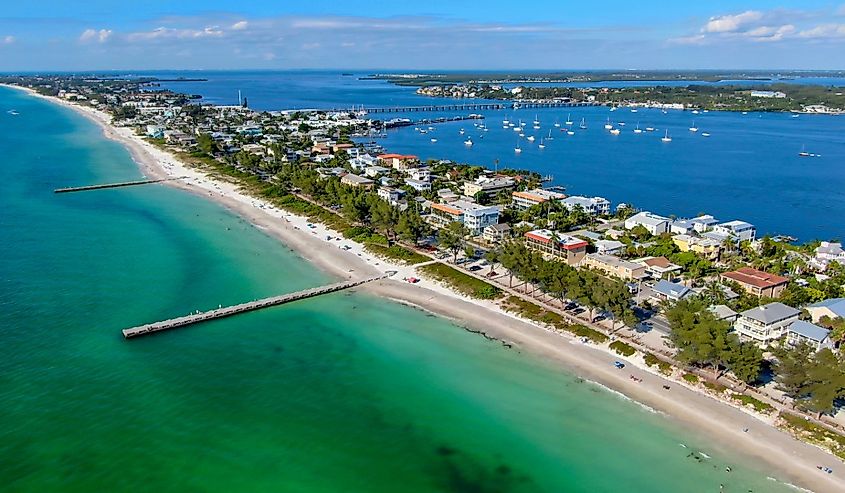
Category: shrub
[715,387]
[757,404]
[650,359]
[461,282]
[689,377]
[621,348]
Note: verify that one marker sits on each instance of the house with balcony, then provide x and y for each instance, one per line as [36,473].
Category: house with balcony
[497,233]
[555,245]
[826,253]
[659,267]
[802,332]
[669,291]
[473,216]
[706,247]
[489,187]
[765,324]
[614,266]
[594,206]
[757,282]
[524,200]
[739,230]
[654,224]
[399,162]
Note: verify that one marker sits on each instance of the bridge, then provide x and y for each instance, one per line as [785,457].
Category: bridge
[471,107]
[112,185]
[228,311]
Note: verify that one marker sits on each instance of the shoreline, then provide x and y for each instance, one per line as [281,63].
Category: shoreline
[707,417]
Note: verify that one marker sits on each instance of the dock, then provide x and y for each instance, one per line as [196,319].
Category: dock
[111,185]
[228,311]
[472,107]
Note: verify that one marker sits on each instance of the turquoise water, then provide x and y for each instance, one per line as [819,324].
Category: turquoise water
[340,393]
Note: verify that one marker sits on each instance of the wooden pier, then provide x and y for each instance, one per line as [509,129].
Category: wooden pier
[111,185]
[228,311]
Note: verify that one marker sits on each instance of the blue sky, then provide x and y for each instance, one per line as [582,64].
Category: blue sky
[422,35]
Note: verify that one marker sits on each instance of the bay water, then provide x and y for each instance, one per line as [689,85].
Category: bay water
[341,393]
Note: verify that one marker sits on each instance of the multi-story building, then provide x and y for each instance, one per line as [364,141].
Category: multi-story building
[399,162]
[560,246]
[390,195]
[418,185]
[765,324]
[356,181]
[706,247]
[801,332]
[614,266]
[594,206]
[653,223]
[831,308]
[488,186]
[739,230]
[757,282]
[473,216]
[529,198]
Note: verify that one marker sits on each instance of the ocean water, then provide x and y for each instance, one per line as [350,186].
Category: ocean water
[340,393]
[748,168]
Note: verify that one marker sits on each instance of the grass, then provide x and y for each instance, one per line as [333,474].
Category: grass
[397,253]
[689,377]
[622,348]
[461,282]
[665,368]
[537,313]
[715,387]
[813,433]
[757,404]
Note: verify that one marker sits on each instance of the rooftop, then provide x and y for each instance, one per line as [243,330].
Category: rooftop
[771,313]
[672,289]
[564,241]
[808,330]
[754,277]
[836,305]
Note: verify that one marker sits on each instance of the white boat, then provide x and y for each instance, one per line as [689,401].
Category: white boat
[468,142]
[795,115]
[615,131]
[633,110]
[511,125]
[637,130]
[744,112]
[649,129]
[569,119]
[431,128]
[583,124]
[613,108]
[608,125]
[13,112]
[549,137]
[505,121]
[570,132]
[541,145]
[433,141]
[666,138]
[517,149]
[804,152]
[694,112]
[521,134]
[517,129]
[536,121]
[705,134]
[693,128]
[530,138]
[521,123]
[557,123]
[706,111]
[621,124]
[505,127]
[536,127]
[461,131]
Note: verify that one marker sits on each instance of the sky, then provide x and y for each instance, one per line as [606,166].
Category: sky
[61,35]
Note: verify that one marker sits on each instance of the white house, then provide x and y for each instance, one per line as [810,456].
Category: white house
[739,230]
[831,308]
[591,205]
[390,195]
[653,223]
[804,332]
[826,253]
[765,324]
[418,185]
[474,216]
[609,247]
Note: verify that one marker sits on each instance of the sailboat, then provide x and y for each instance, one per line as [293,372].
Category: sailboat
[433,141]
[505,121]
[530,138]
[542,145]
[637,130]
[608,125]
[468,142]
[569,119]
[804,152]
[615,131]
[557,123]
[666,138]
[536,120]
[583,124]
[461,131]
[693,128]
[570,132]
[549,137]
[517,149]
[633,110]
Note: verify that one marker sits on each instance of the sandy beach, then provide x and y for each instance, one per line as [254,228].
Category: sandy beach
[792,460]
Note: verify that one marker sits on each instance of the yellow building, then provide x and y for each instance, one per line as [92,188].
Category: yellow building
[706,247]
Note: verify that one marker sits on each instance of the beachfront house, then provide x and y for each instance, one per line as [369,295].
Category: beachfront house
[556,245]
[473,216]
[497,233]
[757,282]
[419,174]
[765,324]
[614,266]
[802,332]
[524,200]
[724,312]
[669,291]
[654,224]
[739,230]
[831,308]
[488,187]
[594,206]
[826,253]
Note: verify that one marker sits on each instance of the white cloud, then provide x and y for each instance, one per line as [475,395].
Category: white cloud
[100,36]
[7,40]
[240,25]
[171,33]
[731,23]
[824,31]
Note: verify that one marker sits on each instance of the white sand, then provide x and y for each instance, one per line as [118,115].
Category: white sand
[794,461]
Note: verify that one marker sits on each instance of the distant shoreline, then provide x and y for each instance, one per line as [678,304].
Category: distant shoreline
[719,422]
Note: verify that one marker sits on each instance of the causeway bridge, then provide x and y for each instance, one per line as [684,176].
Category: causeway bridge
[473,106]
[228,311]
[112,185]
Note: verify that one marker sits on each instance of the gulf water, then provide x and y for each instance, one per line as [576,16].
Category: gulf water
[341,393]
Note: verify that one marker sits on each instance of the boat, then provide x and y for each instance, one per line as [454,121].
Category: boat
[694,112]
[530,138]
[570,132]
[693,128]
[649,129]
[705,134]
[517,129]
[541,145]
[505,127]
[461,131]
[621,124]
[536,127]
[666,138]
[569,119]
[633,110]
[583,124]
[521,134]
[505,121]
[517,149]
[468,142]
[608,125]
[549,137]
[536,121]
[637,130]
[433,141]
[521,123]
[804,152]
[13,112]
[744,112]
[557,123]
[613,108]
[795,115]
[615,131]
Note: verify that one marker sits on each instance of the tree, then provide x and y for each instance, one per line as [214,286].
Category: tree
[745,361]
[206,144]
[469,251]
[452,238]
[384,217]
[492,256]
[410,226]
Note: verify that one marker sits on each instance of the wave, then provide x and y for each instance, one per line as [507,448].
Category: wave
[625,397]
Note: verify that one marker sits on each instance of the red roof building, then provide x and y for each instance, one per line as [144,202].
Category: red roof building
[757,282]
